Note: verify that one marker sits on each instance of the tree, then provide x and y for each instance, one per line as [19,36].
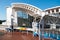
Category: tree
[2,21]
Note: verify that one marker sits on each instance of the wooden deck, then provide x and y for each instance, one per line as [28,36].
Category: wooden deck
[19,36]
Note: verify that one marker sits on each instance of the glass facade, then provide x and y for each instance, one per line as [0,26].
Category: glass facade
[24,19]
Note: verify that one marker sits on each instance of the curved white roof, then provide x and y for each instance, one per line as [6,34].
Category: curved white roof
[27,4]
[52,8]
[36,13]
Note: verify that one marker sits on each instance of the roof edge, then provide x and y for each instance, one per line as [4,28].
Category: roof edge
[27,4]
[51,8]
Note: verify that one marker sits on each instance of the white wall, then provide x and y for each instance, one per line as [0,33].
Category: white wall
[15,17]
[9,12]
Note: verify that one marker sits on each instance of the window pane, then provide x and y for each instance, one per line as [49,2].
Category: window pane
[24,20]
[19,14]
[25,15]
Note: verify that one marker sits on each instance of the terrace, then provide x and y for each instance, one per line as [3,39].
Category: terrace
[18,36]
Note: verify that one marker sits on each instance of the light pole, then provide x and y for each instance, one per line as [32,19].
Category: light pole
[12,23]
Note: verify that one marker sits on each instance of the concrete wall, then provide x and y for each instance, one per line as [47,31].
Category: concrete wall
[9,13]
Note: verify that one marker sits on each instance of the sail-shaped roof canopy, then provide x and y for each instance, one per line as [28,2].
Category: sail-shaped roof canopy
[35,12]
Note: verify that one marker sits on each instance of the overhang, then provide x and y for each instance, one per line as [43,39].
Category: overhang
[36,12]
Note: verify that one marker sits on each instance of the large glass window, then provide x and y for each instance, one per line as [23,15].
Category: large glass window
[22,14]
[24,20]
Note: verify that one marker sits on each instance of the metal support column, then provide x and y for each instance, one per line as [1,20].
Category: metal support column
[39,27]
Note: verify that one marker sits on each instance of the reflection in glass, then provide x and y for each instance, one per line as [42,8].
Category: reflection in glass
[24,19]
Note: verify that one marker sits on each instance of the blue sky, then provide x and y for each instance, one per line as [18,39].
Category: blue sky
[42,4]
